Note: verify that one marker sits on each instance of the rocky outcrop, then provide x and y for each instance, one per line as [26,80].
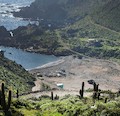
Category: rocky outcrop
[5,38]
[4,32]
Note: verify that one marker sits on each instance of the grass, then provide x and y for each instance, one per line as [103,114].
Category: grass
[28,112]
[66,106]
[15,76]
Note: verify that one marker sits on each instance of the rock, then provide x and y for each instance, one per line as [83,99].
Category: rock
[91,82]
[4,32]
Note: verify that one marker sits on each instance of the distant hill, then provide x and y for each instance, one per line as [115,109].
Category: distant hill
[91,39]
[15,76]
[104,12]
[109,15]
[89,27]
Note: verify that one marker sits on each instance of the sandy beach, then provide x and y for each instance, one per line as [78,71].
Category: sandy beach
[51,64]
[72,72]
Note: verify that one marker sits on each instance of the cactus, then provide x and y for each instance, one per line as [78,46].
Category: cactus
[0,96]
[106,100]
[17,94]
[95,87]
[4,105]
[9,100]
[94,95]
[56,97]
[99,95]
[52,96]
[81,92]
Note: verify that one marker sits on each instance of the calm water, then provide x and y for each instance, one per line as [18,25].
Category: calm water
[26,59]
[6,17]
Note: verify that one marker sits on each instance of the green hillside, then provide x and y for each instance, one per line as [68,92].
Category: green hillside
[91,39]
[109,15]
[104,12]
[15,76]
[76,26]
[66,106]
[84,36]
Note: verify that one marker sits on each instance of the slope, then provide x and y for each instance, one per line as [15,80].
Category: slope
[88,27]
[87,37]
[109,15]
[14,76]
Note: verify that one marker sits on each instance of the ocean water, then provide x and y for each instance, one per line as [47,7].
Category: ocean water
[26,59]
[17,2]
[6,17]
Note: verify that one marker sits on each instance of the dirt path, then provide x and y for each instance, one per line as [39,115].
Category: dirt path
[59,93]
[37,86]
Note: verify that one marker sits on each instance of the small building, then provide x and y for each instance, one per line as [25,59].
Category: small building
[60,85]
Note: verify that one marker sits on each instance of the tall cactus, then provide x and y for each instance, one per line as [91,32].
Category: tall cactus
[5,106]
[96,93]
[82,90]
[17,94]
[3,102]
[105,100]
[0,96]
[52,97]
[95,87]
[9,100]
[99,95]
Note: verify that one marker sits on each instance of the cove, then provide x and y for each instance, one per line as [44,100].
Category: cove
[7,7]
[26,59]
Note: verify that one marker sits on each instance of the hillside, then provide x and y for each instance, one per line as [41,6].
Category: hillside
[14,75]
[84,36]
[107,103]
[91,39]
[65,106]
[109,15]
[68,11]
[81,27]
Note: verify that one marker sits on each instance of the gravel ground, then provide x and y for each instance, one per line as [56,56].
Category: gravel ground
[72,72]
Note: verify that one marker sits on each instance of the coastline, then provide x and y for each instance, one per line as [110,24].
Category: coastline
[51,64]
[48,65]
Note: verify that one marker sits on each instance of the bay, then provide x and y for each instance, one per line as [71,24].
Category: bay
[26,59]
[6,16]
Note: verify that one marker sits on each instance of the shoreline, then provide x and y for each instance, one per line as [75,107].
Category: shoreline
[49,64]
